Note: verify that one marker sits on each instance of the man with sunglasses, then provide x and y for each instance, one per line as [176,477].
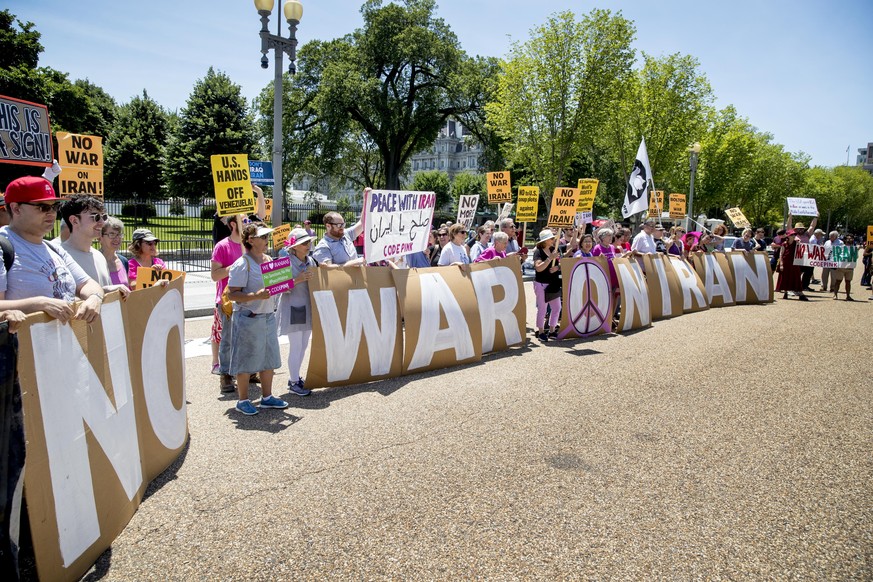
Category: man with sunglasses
[85,216]
[42,277]
[337,248]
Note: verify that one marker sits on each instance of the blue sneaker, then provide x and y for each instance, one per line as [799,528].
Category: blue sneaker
[298,389]
[272,402]
[300,382]
[246,407]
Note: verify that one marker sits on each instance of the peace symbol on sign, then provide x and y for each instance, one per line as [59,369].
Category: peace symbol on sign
[588,316]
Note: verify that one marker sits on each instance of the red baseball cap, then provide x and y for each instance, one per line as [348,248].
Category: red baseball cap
[30,189]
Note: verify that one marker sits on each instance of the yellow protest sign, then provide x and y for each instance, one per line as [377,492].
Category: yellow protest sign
[148,277]
[677,206]
[268,208]
[233,190]
[81,161]
[563,210]
[738,218]
[498,187]
[656,203]
[527,207]
[870,234]
[587,192]
[280,234]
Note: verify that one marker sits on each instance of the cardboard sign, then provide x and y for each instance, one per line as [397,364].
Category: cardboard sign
[441,318]
[277,275]
[563,210]
[587,193]
[504,212]
[677,206]
[588,299]
[105,413]
[802,207]
[656,204]
[501,302]
[692,289]
[356,333]
[280,235]
[261,174]
[752,277]
[268,209]
[467,205]
[147,277]
[25,133]
[81,161]
[634,296]
[718,281]
[527,205]
[396,223]
[665,293]
[737,217]
[499,190]
[233,189]
[870,234]
[840,257]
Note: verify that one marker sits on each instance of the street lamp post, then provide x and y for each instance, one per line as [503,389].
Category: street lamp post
[293,11]
[694,151]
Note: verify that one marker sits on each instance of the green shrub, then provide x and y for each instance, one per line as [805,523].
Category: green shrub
[207,212]
[177,206]
[141,210]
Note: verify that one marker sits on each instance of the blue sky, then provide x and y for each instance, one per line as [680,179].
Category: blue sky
[799,70]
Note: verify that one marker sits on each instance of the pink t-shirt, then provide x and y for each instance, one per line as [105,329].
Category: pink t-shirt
[133,265]
[226,252]
[607,251]
[489,254]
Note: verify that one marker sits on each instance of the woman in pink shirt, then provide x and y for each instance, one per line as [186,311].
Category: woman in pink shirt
[144,249]
[606,249]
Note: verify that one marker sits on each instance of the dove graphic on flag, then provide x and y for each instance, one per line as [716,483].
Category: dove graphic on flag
[636,198]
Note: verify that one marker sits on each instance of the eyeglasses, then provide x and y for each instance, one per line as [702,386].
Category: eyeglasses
[43,207]
[97,217]
[112,234]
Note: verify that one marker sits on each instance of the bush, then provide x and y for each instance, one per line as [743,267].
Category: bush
[177,206]
[139,210]
[207,212]
[316,217]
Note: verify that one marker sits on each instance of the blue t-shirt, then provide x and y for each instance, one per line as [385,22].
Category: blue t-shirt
[39,271]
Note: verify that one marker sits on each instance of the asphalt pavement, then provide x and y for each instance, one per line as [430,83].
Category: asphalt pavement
[733,443]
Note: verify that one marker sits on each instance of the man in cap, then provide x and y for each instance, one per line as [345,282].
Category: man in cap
[42,277]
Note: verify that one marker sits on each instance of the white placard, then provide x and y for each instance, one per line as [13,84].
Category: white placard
[802,207]
[583,218]
[396,223]
[467,205]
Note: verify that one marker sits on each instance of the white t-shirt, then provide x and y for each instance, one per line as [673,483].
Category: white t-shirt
[453,253]
[92,262]
[644,243]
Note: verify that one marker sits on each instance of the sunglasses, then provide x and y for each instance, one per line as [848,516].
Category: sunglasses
[462,232]
[338,224]
[43,207]
[442,234]
[97,217]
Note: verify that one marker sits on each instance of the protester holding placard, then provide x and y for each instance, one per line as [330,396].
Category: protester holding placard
[144,248]
[337,247]
[294,313]
[220,228]
[789,273]
[840,275]
[483,240]
[674,243]
[644,241]
[547,283]
[225,254]
[254,337]
[455,252]
[718,234]
[802,235]
[110,242]
[605,248]
[776,248]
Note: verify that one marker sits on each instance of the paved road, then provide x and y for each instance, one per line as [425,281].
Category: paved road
[734,443]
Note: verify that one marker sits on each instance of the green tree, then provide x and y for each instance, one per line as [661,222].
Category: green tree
[465,184]
[396,80]
[556,89]
[214,121]
[436,182]
[134,152]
